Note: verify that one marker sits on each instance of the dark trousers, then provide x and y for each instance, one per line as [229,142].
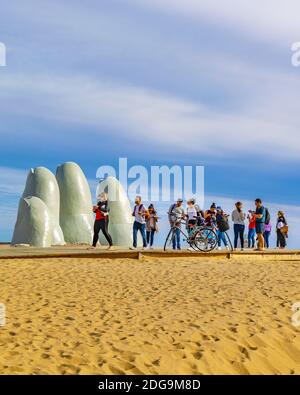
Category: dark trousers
[238,233]
[267,237]
[101,224]
[281,239]
[142,228]
[150,237]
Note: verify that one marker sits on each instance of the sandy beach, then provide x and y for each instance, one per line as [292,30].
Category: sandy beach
[154,315]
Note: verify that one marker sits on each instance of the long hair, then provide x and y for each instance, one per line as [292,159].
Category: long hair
[238,206]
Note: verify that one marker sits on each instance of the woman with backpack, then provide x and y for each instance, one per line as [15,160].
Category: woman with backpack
[223,226]
[281,230]
[151,225]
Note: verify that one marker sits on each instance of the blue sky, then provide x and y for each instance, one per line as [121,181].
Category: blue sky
[159,82]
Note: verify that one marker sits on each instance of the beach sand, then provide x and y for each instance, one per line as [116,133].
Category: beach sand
[152,316]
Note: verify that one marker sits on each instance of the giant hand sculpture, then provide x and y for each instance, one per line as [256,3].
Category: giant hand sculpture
[34,224]
[42,184]
[76,217]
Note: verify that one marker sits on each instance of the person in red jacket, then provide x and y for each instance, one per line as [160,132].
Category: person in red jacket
[101,221]
[251,229]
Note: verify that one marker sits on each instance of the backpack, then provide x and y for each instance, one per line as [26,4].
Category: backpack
[222,223]
[267,216]
[134,210]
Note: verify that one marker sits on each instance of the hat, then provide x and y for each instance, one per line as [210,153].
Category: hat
[179,200]
[213,205]
[219,208]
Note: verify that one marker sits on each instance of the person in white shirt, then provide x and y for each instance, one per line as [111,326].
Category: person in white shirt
[191,214]
[238,218]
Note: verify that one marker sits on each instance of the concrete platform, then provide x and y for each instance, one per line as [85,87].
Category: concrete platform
[82,251]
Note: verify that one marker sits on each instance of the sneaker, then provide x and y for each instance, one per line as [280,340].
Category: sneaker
[219,248]
[190,249]
[132,248]
[227,248]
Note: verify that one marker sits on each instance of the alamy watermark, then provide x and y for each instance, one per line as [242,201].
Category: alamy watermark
[155,183]
[2,55]
[2,314]
[296,54]
[296,315]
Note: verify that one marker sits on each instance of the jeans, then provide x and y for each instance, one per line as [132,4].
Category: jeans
[251,238]
[266,237]
[221,237]
[137,226]
[176,239]
[238,233]
[150,237]
[101,224]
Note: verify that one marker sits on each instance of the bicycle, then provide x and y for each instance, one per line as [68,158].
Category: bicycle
[201,238]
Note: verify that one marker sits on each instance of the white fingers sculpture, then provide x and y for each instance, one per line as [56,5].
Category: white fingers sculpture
[76,218]
[34,224]
[42,184]
[120,218]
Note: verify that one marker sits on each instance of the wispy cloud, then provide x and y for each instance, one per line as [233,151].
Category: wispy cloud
[172,122]
[276,21]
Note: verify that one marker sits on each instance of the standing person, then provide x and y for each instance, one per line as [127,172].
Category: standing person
[260,214]
[238,217]
[223,226]
[251,229]
[175,214]
[101,220]
[191,213]
[151,225]
[210,215]
[267,233]
[139,213]
[200,215]
[281,230]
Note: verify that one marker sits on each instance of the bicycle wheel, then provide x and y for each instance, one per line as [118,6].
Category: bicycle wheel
[206,239]
[169,240]
[191,240]
[229,241]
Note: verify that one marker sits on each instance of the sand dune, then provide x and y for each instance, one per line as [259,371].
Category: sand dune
[185,315]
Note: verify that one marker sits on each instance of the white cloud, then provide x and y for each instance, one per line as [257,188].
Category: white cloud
[170,121]
[267,20]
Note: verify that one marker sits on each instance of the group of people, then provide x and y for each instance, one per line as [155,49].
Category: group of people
[257,221]
[145,222]
[259,226]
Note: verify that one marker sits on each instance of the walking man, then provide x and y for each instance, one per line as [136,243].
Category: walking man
[139,225]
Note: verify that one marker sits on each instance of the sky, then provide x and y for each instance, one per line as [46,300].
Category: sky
[161,82]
